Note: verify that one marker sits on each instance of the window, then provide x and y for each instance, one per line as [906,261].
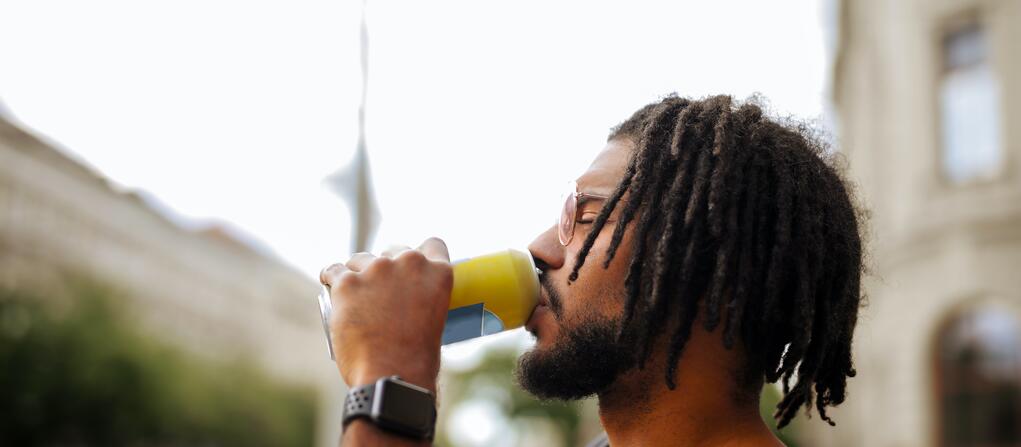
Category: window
[978,364]
[969,100]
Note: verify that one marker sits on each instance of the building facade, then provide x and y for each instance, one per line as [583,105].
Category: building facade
[202,290]
[928,100]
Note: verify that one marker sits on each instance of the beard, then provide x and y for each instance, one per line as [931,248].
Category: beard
[585,362]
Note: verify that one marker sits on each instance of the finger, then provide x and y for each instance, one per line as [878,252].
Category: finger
[329,275]
[394,250]
[359,261]
[435,249]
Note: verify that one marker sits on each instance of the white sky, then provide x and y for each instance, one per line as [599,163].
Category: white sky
[479,112]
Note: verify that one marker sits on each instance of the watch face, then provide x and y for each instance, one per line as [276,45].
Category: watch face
[405,405]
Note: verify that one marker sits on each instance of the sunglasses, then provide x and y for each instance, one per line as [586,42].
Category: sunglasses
[569,213]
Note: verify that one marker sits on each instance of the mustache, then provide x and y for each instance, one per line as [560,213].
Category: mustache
[555,300]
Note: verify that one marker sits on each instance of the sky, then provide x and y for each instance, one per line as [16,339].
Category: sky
[479,113]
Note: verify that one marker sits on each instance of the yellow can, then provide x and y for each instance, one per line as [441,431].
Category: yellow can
[492,293]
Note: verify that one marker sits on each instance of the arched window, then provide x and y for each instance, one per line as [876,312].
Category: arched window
[978,378]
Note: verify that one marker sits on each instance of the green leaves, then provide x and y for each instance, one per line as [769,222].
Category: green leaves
[75,372]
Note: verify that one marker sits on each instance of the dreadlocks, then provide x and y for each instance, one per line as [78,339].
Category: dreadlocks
[748,218]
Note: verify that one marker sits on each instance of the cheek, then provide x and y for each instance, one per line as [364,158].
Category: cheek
[598,291]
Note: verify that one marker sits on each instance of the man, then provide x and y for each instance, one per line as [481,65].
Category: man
[707,250]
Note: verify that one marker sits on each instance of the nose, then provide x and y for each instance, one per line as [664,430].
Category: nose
[547,251]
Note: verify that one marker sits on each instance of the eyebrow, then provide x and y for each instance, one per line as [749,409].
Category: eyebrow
[585,197]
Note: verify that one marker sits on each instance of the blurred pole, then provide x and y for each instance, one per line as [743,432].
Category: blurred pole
[354,183]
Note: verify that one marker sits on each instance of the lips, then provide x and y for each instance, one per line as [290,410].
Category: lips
[532,325]
[541,307]
[543,300]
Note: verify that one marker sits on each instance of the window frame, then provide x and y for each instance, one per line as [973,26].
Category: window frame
[947,24]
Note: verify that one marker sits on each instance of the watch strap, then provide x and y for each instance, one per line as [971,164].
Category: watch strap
[361,400]
[358,403]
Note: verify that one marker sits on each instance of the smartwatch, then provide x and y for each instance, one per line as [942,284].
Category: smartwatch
[395,406]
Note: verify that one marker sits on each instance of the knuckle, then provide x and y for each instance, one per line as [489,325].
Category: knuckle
[347,281]
[381,264]
[327,274]
[413,257]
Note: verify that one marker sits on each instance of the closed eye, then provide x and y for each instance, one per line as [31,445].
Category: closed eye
[592,219]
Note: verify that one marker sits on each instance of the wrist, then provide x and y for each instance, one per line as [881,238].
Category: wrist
[420,375]
[394,406]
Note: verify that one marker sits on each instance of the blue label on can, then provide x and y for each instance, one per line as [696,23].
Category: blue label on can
[468,322]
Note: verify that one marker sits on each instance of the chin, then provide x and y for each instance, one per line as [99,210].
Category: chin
[571,362]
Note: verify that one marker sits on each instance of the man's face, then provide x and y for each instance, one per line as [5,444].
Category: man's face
[575,325]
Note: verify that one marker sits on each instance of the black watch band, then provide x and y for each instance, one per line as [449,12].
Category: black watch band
[358,402]
[395,406]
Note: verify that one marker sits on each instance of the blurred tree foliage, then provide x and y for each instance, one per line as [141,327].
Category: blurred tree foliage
[76,373]
[492,379]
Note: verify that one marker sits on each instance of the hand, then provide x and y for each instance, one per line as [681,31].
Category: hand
[389,312]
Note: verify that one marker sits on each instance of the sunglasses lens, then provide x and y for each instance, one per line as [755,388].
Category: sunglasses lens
[566,227]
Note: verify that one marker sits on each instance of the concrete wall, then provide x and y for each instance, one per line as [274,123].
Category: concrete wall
[937,248]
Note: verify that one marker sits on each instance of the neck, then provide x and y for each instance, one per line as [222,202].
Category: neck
[704,410]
